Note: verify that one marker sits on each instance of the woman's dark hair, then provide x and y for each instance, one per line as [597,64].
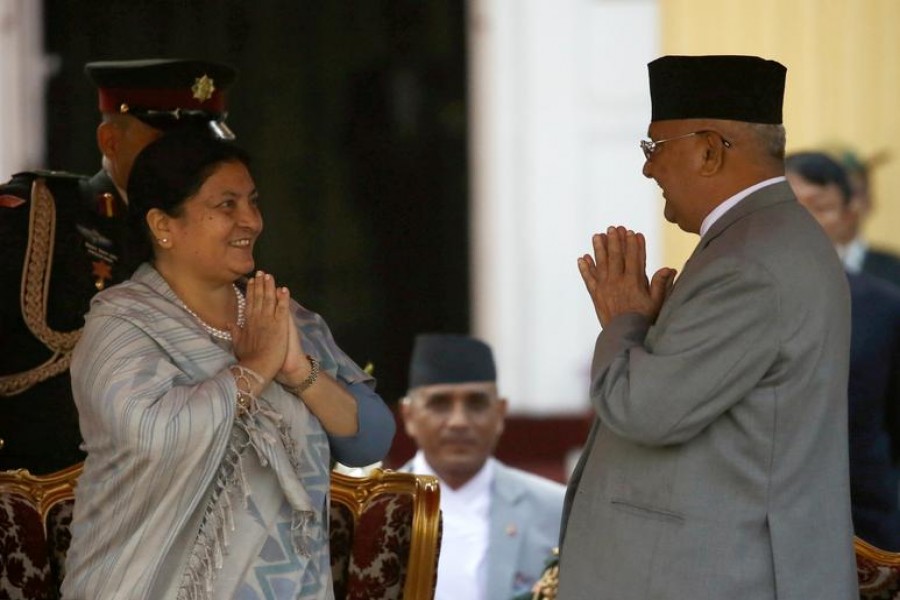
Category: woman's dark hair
[820,169]
[167,172]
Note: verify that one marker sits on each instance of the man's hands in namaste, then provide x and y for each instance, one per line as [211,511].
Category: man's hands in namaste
[616,277]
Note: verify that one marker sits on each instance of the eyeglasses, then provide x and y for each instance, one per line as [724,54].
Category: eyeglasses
[650,146]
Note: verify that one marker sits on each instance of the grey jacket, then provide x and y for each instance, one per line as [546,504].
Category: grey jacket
[717,466]
[524,528]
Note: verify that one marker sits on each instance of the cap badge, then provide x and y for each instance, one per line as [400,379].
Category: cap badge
[203,88]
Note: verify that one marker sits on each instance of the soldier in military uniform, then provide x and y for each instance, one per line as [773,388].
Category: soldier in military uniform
[63,239]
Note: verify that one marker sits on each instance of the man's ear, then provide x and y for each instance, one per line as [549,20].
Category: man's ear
[857,206]
[406,415]
[108,134]
[713,154]
[502,408]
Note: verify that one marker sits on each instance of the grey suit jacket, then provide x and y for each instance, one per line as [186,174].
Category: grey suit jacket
[524,528]
[717,467]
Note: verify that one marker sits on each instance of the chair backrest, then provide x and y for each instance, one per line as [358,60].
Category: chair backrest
[878,572]
[35,513]
[385,534]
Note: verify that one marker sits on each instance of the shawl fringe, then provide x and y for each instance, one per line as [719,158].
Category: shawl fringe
[211,544]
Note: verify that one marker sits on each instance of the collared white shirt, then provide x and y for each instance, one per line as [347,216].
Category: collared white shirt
[721,209]
[853,255]
[462,568]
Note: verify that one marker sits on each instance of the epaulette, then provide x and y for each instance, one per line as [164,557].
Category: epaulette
[17,191]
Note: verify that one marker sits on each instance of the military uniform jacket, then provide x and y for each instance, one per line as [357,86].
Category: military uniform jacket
[718,463]
[62,242]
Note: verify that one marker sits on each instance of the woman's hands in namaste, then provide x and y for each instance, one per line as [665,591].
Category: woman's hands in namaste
[268,341]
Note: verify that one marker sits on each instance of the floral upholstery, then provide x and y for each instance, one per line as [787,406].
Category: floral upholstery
[381,549]
[24,568]
[35,513]
[389,525]
[878,572]
[384,529]
[341,533]
[59,537]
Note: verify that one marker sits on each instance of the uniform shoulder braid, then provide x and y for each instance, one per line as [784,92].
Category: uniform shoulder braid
[63,243]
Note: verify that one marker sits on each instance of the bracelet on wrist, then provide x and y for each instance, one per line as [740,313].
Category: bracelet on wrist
[310,379]
[244,379]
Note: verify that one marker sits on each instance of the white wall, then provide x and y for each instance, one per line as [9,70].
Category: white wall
[22,73]
[558,101]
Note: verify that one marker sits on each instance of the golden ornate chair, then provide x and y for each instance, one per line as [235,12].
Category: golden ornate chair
[878,572]
[35,513]
[385,534]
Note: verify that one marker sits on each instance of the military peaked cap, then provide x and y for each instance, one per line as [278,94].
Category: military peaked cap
[165,93]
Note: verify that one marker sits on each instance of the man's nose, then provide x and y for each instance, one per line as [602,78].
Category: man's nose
[458,416]
[647,170]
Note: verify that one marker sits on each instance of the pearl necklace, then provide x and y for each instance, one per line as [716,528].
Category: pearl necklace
[221,333]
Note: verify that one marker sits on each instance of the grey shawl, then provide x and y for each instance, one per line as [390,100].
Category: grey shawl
[172,464]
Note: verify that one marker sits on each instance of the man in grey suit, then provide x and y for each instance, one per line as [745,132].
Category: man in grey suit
[500,524]
[717,464]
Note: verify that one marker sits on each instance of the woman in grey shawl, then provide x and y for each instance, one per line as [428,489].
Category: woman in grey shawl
[211,404]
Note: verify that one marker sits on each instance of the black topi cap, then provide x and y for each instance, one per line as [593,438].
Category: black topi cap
[165,93]
[738,88]
[450,358]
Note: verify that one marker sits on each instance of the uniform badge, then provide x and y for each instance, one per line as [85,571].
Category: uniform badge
[101,272]
[8,201]
[203,88]
[99,249]
[94,237]
[106,205]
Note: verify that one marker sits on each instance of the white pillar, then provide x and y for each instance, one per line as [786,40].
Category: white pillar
[558,101]
[23,73]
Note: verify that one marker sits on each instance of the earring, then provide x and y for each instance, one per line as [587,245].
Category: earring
[162,240]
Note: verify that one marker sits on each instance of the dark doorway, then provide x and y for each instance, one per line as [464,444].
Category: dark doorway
[355,115]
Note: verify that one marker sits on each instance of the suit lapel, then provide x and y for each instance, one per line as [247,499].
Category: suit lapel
[506,527]
[767,196]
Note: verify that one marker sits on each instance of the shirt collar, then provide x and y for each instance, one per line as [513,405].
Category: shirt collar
[480,483]
[853,255]
[730,203]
